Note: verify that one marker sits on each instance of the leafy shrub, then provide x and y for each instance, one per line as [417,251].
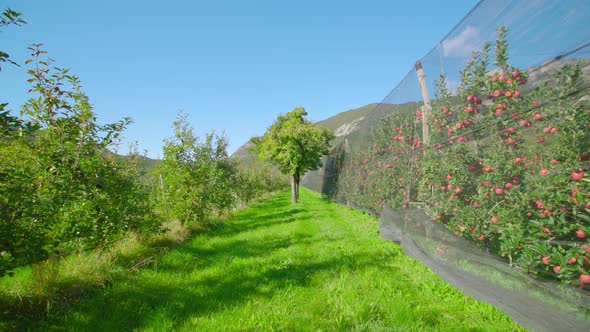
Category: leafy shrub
[198,177]
[58,190]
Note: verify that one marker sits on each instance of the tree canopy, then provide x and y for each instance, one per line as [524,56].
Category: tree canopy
[295,145]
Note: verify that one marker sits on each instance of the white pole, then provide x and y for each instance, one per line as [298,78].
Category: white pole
[427,108]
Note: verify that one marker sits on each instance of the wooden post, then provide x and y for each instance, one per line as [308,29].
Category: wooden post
[427,108]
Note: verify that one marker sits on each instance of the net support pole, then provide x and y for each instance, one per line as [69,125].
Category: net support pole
[427,108]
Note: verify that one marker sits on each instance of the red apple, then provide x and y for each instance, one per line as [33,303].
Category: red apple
[576,176]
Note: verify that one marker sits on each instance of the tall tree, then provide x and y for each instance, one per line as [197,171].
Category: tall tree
[295,145]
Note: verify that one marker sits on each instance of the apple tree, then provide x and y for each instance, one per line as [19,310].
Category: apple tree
[295,145]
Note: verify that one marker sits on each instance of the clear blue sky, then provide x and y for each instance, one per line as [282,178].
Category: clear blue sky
[231,65]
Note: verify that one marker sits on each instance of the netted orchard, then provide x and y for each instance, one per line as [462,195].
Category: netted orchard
[507,166]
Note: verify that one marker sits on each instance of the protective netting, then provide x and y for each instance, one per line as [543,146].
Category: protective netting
[488,136]
[535,304]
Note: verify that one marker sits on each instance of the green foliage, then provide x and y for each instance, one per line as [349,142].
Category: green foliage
[9,17]
[295,145]
[58,192]
[317,266]
[257,179]
[198,177]
[507,169]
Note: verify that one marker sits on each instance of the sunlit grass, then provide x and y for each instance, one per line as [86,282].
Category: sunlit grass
[277,266]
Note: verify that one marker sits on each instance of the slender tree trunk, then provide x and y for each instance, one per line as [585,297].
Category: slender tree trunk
[297,181]
[293,189]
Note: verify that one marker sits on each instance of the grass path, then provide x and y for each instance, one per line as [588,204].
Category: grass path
[314,266]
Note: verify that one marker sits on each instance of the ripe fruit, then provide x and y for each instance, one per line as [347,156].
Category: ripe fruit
[543,172]
[508,185]
[488,169]
[495,220]
[449,177]
[538,116]
[556,268]
[545,260]
[576,176]
[499,191]
[572,260]
[518,160]
[580,234]
[585,279]
[525,123]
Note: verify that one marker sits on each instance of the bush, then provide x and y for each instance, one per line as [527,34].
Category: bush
[59,192]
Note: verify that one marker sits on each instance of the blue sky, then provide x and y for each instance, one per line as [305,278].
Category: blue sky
[230,65]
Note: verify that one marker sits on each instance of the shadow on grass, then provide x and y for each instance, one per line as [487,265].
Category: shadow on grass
[142,303]
[212,274]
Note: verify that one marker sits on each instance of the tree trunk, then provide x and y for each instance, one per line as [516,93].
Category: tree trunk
[295,179]
[293,189]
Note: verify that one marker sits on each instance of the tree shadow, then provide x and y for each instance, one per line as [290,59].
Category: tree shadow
[137,304]
[211,274]
[256,222]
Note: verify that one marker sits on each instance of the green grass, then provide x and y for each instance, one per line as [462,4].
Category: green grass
[314,266]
